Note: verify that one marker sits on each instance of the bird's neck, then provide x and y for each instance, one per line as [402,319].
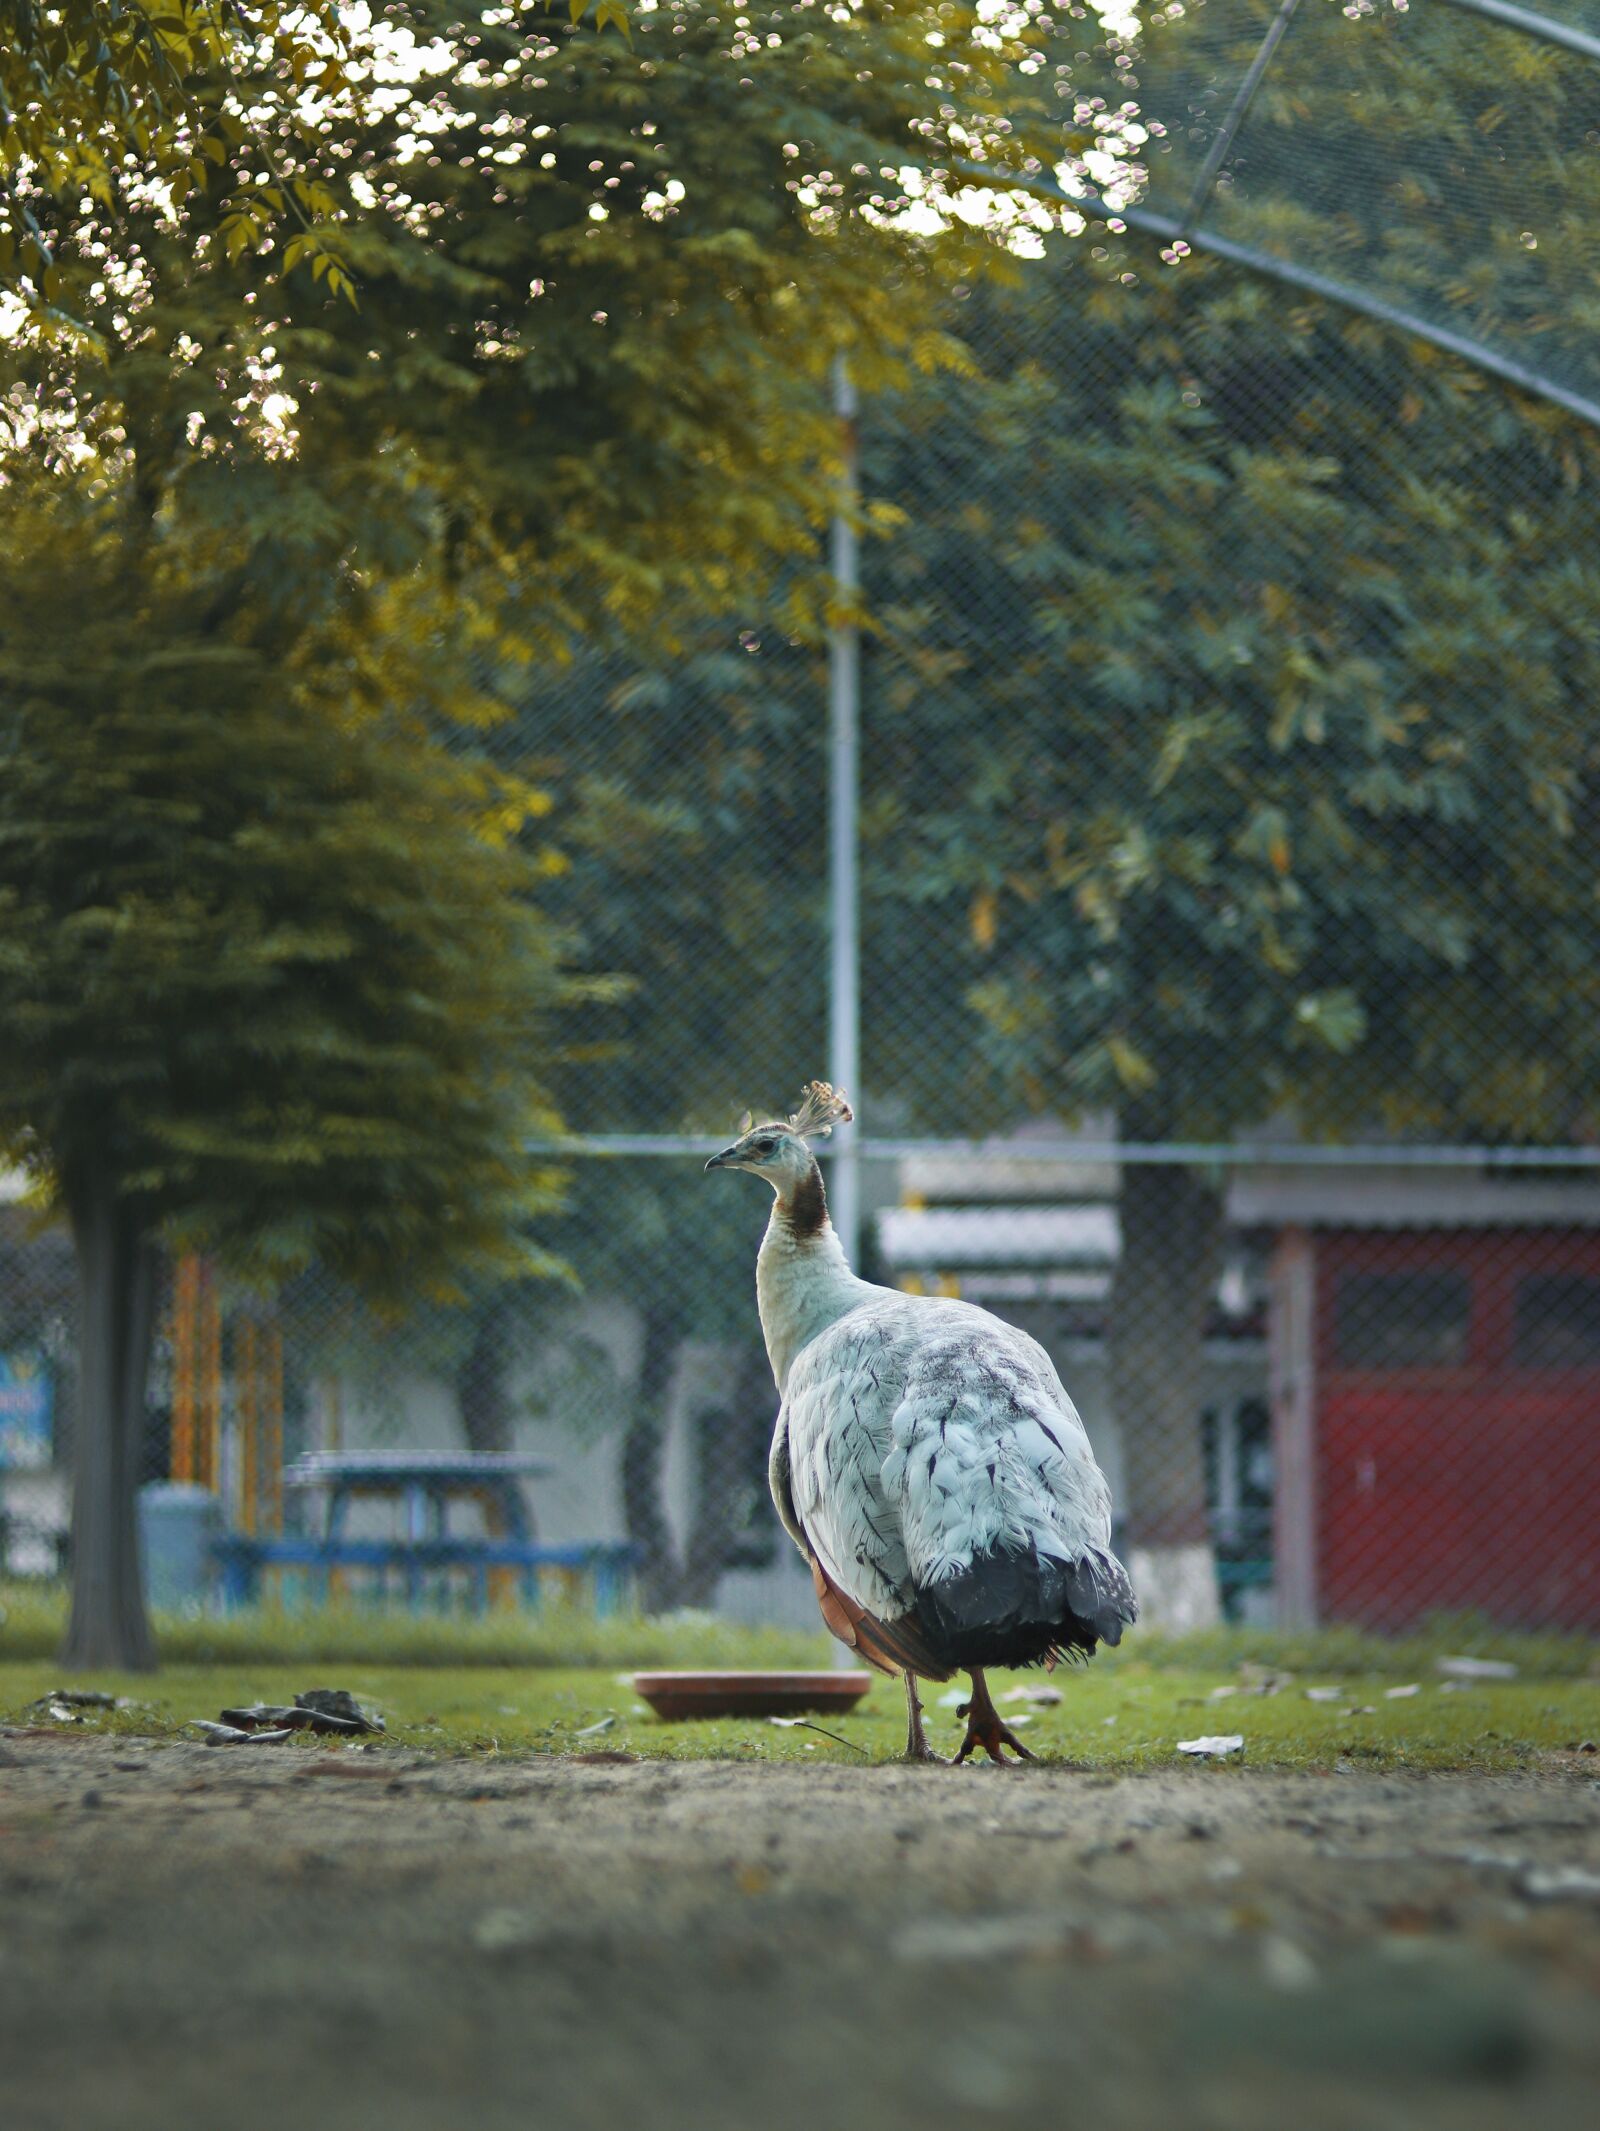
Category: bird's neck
[803,1283]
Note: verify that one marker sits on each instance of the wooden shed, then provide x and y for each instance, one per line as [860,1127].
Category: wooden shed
[1435,1368]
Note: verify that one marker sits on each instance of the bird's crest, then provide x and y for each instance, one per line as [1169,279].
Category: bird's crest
[821,1108]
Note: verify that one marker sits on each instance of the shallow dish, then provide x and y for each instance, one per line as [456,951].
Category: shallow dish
[750,1694]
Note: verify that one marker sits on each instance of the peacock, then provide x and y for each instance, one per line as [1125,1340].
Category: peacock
[926,1459]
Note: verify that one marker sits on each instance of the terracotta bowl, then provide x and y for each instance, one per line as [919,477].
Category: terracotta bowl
[750,1694]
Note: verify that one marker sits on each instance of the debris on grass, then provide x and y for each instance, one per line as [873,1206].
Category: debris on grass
[1476,1668]
[1213,1748]
[338,1702]
[1400,1694]
[332,1711]
[1040,1697]
[805,1724]
[591,1731]
[1325,1694]
[1286,1966]
[1263,1679]
[1561,1883]
[72,1705]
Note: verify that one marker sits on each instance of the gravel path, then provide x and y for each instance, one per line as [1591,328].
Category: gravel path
[255,1936]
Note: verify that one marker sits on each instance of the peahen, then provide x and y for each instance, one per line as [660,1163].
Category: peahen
[926,1460]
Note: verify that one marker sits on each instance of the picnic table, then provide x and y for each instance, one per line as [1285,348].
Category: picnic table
[423,1484]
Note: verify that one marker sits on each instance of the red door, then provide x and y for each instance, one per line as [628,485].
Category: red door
[1458,1431]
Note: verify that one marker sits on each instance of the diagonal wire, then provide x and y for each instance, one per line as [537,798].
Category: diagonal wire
[1244,96]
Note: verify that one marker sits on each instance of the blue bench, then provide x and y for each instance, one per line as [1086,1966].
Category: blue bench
[241,1556]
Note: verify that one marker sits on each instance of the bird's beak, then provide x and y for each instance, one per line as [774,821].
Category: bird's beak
[724,1160]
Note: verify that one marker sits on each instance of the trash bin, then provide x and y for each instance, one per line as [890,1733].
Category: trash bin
[177,1524]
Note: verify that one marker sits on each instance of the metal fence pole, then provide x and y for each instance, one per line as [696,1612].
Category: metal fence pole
[844,748]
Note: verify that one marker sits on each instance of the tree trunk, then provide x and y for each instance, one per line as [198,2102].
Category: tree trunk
[731,1452]
[643,1450]
[483,1388]
[117,1263]
[1166,1273]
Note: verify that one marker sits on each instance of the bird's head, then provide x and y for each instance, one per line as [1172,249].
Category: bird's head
[777,1150]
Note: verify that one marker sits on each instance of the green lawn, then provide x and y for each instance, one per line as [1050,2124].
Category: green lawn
[1123,1715]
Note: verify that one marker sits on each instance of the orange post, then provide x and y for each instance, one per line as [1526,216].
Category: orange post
[249,1425]
[186,1289]
[272,1431]
[209,1401]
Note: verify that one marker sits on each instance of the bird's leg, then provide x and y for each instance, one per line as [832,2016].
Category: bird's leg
[917,1747]
[984,1725]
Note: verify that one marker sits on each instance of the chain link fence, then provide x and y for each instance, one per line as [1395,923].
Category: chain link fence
[1229,922]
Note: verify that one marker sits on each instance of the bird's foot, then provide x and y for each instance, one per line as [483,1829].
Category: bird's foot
[985,1729]
[918,1750]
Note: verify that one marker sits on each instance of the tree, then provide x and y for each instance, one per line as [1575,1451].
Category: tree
[100,104]
[596,301]
[1245,769]
[268,979]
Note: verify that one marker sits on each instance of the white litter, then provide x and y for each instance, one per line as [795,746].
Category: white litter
[1287,1966]
[1228,1743]
[1477,1668]
[1041,1697]
[1561,1883]
[1325,1694]
[954,1699]
[1399,1694]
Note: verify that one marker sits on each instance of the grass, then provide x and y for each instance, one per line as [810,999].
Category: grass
[520,1682]
[562,1636]
[1114,1717]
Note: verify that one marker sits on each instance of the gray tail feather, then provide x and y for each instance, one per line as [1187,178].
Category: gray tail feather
[1018,1608]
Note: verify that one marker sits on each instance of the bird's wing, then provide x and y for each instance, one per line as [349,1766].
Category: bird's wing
[838,1410]
[948,1432]
[924,1435]
[835,1431]
[987,1450]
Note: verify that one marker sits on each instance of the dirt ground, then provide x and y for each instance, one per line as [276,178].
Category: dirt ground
[244,1937]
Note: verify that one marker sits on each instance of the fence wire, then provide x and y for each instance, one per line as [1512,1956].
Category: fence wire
[1230,929]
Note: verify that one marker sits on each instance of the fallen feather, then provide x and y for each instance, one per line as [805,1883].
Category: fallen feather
[1477,1668]
[805,1724]
[1041,1697]
[953,1699]
[1400,1694]
[1325,1694]
[590,1731]
[1227,1743]
[1221,1694]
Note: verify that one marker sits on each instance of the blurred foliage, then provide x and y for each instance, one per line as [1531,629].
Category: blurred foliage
[1235,670]
[106,101]
[259,966]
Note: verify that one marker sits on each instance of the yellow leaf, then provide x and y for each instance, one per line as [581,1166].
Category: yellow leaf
[984,918]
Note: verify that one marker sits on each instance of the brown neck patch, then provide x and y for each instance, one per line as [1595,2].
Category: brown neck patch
[805,1211]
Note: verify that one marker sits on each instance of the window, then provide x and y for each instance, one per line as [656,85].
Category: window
[1557,1323]
[1402,1321]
